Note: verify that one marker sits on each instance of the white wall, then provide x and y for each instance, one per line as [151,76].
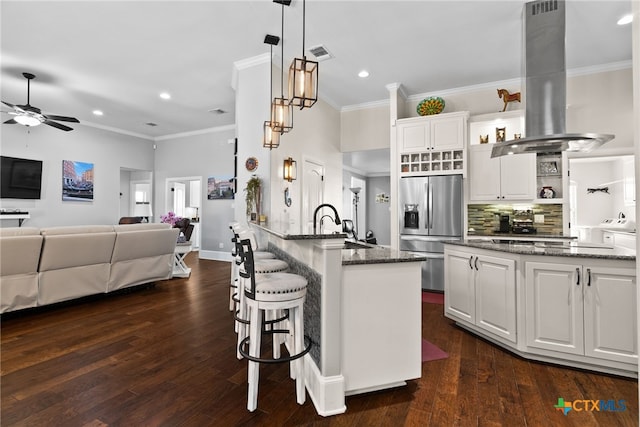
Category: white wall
[365,129]
[316,136]
[108,151]
[204,155]
[378,214]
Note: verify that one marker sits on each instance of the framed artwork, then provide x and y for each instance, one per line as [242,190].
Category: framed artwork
[220,188]
[77,181]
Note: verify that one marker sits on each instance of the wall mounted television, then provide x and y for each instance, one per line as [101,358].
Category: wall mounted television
[20,178]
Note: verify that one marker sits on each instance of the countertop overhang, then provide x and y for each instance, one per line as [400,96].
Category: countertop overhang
[564,249]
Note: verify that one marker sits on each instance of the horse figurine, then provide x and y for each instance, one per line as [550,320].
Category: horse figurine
[508,97]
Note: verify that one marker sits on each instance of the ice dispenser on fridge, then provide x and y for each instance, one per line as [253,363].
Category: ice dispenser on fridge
[411,217]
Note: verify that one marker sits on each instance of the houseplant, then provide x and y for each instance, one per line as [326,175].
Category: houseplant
[252,197]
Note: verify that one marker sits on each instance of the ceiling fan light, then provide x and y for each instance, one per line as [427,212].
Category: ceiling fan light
[27,120]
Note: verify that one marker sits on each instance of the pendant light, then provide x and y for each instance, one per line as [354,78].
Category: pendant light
[303,76]
[281,109]
[270,139]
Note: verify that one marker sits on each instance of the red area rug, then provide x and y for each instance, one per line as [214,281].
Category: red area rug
[432,297]
[431,352]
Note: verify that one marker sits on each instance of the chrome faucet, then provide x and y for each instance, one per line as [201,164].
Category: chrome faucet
[315,216]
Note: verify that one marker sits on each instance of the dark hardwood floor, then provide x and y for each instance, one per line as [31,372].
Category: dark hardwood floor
[165,356]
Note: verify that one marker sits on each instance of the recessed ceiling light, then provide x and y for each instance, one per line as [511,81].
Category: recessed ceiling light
[363,74]
[98,113]
[165,95]
[626,19]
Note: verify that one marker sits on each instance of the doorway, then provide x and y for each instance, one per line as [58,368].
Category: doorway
[183,196]
[312,192]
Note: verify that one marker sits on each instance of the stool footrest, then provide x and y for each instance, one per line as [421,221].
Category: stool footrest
[237,317]
[245,342]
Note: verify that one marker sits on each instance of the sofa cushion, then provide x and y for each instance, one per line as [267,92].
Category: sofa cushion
[141,226]
[19,231]
[76,229]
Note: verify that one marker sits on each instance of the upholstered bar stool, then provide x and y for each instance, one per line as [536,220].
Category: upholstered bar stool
[272,292]
[237,228]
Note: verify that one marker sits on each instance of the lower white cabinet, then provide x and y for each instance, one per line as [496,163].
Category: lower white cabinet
[481,289]
[582,309]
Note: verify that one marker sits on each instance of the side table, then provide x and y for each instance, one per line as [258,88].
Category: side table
[180,269]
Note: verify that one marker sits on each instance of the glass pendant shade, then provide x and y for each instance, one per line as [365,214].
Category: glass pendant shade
[289,169]
[281,115]
[270,139]
[303,82]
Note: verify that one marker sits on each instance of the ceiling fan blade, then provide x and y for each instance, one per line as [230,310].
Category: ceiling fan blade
[57,125]
[10,122]
[30,108]
[8,104]
[62,118]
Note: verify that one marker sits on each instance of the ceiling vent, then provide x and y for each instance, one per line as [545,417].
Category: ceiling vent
[217,111]
[320,52]
[151,124]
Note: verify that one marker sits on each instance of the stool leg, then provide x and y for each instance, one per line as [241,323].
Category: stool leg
[254,350]
[299,346]
[275,338]
[241,328]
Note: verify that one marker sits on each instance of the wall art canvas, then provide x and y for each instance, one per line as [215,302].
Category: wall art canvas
[219,188]
[77,181]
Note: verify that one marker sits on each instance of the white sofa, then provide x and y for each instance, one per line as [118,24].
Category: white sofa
[75,261]
[19,256]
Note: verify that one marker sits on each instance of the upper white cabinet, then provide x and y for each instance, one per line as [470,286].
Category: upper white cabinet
[501,178]
[432,144]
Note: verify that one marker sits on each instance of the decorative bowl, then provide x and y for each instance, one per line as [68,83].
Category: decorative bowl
[430,105]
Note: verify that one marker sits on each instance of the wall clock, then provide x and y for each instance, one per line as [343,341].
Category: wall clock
[251,164]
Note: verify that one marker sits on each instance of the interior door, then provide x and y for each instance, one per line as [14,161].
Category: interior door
[312,192]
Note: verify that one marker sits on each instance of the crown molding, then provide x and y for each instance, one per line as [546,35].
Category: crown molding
[117,130]
[195,132]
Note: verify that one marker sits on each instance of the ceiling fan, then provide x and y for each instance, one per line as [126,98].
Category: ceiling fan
[28,115]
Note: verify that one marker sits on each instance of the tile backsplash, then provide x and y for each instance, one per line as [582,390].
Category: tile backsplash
[484,218]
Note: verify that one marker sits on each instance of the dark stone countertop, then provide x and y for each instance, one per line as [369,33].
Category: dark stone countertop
[563,249]
[363,253]
[519,236]
[291,235]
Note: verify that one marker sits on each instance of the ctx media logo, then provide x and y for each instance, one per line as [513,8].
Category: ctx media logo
[590,405]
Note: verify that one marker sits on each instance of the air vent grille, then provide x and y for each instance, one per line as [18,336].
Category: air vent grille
[151,124]
[217,111]
[320,52]
[544,6]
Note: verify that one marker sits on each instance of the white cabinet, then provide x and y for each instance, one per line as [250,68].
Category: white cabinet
[432,144]
[481,289]
[500,178]
[585,310]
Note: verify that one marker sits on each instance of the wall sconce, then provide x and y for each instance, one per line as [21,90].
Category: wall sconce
[289,169]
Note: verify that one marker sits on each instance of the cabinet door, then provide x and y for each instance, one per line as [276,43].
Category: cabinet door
[495,287]
[484,174]
[447,134]
[553,301]
[610,313]
[518,177]
[414,136]
[459,296]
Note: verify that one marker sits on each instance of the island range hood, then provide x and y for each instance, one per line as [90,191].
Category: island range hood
[546,82]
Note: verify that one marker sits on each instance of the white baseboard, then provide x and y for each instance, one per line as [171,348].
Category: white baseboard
[215,255]
[327,393]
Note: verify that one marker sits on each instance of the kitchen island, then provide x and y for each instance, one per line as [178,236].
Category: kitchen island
[569,303]
[362,313]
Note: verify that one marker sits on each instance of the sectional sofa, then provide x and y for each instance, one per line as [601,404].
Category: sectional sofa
[48,265]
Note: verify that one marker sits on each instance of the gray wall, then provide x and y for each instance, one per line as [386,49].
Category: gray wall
[378,214]
[205,155]
[108,151]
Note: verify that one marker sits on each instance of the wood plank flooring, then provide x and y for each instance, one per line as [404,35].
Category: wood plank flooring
[165,356]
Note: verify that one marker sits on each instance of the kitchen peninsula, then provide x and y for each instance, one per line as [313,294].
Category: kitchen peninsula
[362,313]
[568,303]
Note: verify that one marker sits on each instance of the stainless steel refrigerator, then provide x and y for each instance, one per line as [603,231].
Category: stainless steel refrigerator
[430,213]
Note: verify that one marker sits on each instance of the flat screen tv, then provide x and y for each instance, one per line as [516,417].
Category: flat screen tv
[20,178]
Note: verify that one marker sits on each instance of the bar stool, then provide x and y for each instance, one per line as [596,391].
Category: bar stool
[261,266]
[272,292]
[237,228]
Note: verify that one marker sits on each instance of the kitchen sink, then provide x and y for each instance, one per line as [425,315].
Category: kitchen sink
[355,245]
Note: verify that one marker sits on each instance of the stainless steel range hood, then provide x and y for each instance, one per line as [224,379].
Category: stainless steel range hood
[546,82]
